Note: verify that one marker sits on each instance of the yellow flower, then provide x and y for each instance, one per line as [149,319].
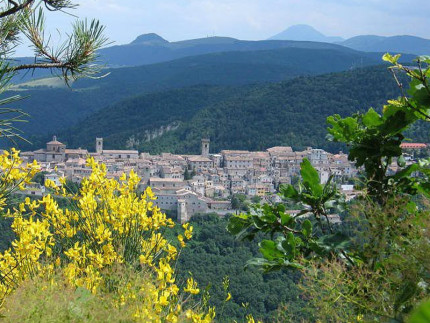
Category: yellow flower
[109,225]
[181,240]
[228,297]
[191,287]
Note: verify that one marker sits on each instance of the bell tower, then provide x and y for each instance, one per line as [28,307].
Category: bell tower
[182,211]
[99,145]
[205,147]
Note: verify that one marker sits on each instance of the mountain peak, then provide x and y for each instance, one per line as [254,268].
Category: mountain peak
[150,38]
[304,33]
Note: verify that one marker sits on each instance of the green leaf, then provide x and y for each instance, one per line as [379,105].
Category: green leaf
[419,93]
[236,225]
[390,58]
[289,246]
[406,172]
[289,191]
[256,262]
[310,177]
[343,130]
[268,214]
[269,250]
[286,219]
[421,314]
[307,228]
[401,161]
[371,118]
[280,207]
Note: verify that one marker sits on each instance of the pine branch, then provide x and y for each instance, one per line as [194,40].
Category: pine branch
[15,8]
[39,66]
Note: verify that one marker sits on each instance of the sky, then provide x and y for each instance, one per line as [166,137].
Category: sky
[245,19]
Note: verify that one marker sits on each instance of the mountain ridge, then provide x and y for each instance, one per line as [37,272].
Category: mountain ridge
[395,44]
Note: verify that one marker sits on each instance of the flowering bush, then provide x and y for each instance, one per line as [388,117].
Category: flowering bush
[107,225]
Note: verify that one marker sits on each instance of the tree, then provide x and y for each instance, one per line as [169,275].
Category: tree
[74,58]
[380,269]
[187,174]
[256,199]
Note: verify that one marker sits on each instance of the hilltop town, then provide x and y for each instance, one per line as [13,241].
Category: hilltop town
[190,184]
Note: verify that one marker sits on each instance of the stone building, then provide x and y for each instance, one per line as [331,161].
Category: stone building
[55,152]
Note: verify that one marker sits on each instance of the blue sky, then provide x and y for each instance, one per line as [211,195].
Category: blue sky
[248,19]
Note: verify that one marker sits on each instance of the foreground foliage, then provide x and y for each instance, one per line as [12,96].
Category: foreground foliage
[109,228]
[377,268]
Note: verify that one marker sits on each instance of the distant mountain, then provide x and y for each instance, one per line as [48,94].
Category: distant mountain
[252,117]
[53,108]
[151,48]
[394,44]
[304,33]
[149,39]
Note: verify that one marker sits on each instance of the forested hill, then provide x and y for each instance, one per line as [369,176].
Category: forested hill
[256,117]
[53,108]
[151,48]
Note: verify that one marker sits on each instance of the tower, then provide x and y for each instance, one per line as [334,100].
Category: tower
[182,211]
[99,145]
[205,147]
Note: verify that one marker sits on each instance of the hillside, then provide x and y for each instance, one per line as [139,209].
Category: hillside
[231,68]
[288,113]
[394,44]
[146,115]
[151,48]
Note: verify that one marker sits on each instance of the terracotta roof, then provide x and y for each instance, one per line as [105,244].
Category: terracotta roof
[226,152]
[54,141]
[260,154]
[412,145]
[240,158]
[157,179]
[280,149]
[199,159]
[120,152]
[76,151]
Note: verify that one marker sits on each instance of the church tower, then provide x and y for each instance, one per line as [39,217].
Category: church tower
[205,147]
[99,145]
[182,211]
